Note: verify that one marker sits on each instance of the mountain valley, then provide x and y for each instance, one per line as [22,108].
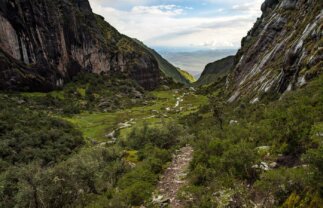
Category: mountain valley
[92,118]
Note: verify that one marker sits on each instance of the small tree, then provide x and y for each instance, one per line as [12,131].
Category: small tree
[217,106]
[89,94]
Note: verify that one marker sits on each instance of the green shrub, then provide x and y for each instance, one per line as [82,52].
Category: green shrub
[282,182]
[136,193]
[163,137]
[138,184]
[35,136]
[314,157]
[91,172]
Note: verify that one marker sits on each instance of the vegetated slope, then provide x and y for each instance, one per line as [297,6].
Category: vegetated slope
[216,70]
[167,68]
[267,154]
[187,75]
[283,50]
[45,44]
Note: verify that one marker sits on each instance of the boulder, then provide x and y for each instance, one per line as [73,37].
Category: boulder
[273,165]
[279,24]
[137,94]
[105,104]
[20,102]
[165,87]
[232,122]
[288,4]
[268,4]
[161,200]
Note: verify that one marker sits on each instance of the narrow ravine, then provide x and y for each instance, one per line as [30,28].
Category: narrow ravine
[174,178]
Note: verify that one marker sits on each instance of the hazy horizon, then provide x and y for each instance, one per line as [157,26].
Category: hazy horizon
[194,62]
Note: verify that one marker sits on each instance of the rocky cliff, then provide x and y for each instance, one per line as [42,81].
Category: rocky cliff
[283,51]
[44,43]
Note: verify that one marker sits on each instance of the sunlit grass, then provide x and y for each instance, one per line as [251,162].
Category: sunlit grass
[58,94]
[132,156]
[95,126]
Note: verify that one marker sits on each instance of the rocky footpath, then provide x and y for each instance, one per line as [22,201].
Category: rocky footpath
[283,50]
[173,179]
[44,43]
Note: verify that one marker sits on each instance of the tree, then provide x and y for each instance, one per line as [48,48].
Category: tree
[217,106]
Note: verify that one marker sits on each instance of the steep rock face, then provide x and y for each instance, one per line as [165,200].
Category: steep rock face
[52,40]
[281,52]
[216,70]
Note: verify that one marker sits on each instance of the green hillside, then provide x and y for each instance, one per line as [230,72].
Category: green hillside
[187,75]
[214,71]
[167,68]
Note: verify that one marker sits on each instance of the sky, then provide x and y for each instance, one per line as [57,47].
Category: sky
[182,24]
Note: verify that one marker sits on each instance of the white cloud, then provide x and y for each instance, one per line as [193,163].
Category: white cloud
[248,7]
[120,2]
[167,10]
[169,25]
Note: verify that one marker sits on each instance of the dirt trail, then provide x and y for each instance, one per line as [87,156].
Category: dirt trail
[174,178]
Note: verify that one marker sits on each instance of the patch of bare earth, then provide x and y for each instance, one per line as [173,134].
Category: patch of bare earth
[174,178]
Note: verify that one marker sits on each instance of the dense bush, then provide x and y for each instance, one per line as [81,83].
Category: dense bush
[216,157]
[155,145]
[71,182]
[282,182]
[314,157]
[162,137]
[27,135]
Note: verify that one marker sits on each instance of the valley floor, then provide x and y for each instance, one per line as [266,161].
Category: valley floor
[122,149]
[176,148]
[107,128]
[169,105]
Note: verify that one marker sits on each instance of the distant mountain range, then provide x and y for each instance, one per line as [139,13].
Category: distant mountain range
[195,61]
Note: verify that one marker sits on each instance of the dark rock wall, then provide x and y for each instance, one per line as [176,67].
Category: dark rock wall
[53,40]
[281,52]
